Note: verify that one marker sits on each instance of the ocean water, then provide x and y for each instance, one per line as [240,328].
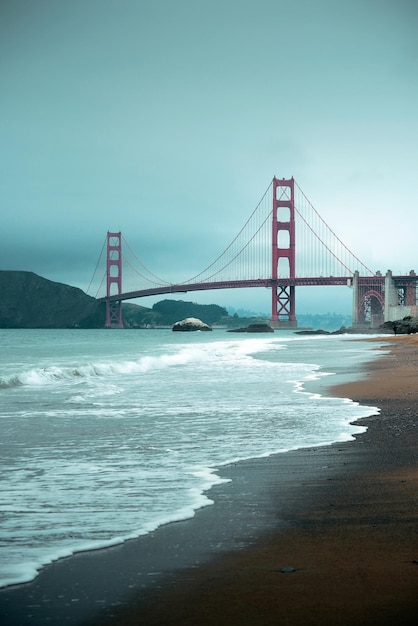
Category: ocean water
[108,434]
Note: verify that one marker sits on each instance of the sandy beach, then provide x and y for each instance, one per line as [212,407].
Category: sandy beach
[353,542]
[315,537]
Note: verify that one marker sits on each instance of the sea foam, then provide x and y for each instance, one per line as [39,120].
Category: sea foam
[114,438]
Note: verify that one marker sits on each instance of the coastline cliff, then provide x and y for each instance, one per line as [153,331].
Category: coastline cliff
[30,301]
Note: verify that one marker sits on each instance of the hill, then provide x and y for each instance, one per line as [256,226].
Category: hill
[168,312]
[30,301]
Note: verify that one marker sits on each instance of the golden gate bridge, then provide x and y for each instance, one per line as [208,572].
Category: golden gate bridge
[283,245]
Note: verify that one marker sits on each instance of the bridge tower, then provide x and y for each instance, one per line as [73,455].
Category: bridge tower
[283,312]
[114,278]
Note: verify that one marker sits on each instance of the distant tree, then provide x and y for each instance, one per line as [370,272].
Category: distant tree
[176,310]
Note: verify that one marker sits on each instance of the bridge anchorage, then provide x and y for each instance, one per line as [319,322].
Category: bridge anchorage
[285,244]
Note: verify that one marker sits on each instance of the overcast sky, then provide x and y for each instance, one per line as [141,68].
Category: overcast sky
[167,119]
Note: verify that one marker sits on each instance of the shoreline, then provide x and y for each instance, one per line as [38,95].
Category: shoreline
[307,509]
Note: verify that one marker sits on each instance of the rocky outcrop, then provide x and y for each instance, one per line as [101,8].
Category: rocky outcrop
[406,326]
[253,328]
[30,301]
[190,324]
[352,330]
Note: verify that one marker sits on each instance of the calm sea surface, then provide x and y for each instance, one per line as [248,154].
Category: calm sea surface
[107,434]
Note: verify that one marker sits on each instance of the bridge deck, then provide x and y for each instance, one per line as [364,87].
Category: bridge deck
[345,281]
[232,284]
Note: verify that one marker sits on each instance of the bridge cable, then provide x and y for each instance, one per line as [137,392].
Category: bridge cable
[161,281]
[101,283]
[97,265]
[318,238]
[238,253]
[193,279]
[332,232]
[141,275]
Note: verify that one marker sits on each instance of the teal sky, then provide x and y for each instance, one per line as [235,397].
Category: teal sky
[168,119]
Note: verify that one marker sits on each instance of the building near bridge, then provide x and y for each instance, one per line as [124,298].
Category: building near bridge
[378,299]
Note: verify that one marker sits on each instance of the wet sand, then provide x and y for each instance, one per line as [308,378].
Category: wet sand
[343,518]
[351,537]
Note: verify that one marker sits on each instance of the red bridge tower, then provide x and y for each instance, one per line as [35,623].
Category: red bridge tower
[283,313]
[114,278]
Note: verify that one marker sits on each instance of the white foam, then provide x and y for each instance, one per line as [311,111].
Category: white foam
[106,447]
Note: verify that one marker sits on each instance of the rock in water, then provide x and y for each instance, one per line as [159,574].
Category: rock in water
[191,323]
[253,328]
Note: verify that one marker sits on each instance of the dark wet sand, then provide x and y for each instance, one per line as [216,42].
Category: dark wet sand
[344,517]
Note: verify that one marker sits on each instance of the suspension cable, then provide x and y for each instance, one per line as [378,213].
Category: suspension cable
[101,283]
[332,232]
[97,265]
[194,278]
[141,275]
[323,242]
[160,280]
[257,246]
[238,253]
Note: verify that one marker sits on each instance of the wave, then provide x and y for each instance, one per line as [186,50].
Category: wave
[21,568]
[202,354]
[56,374]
